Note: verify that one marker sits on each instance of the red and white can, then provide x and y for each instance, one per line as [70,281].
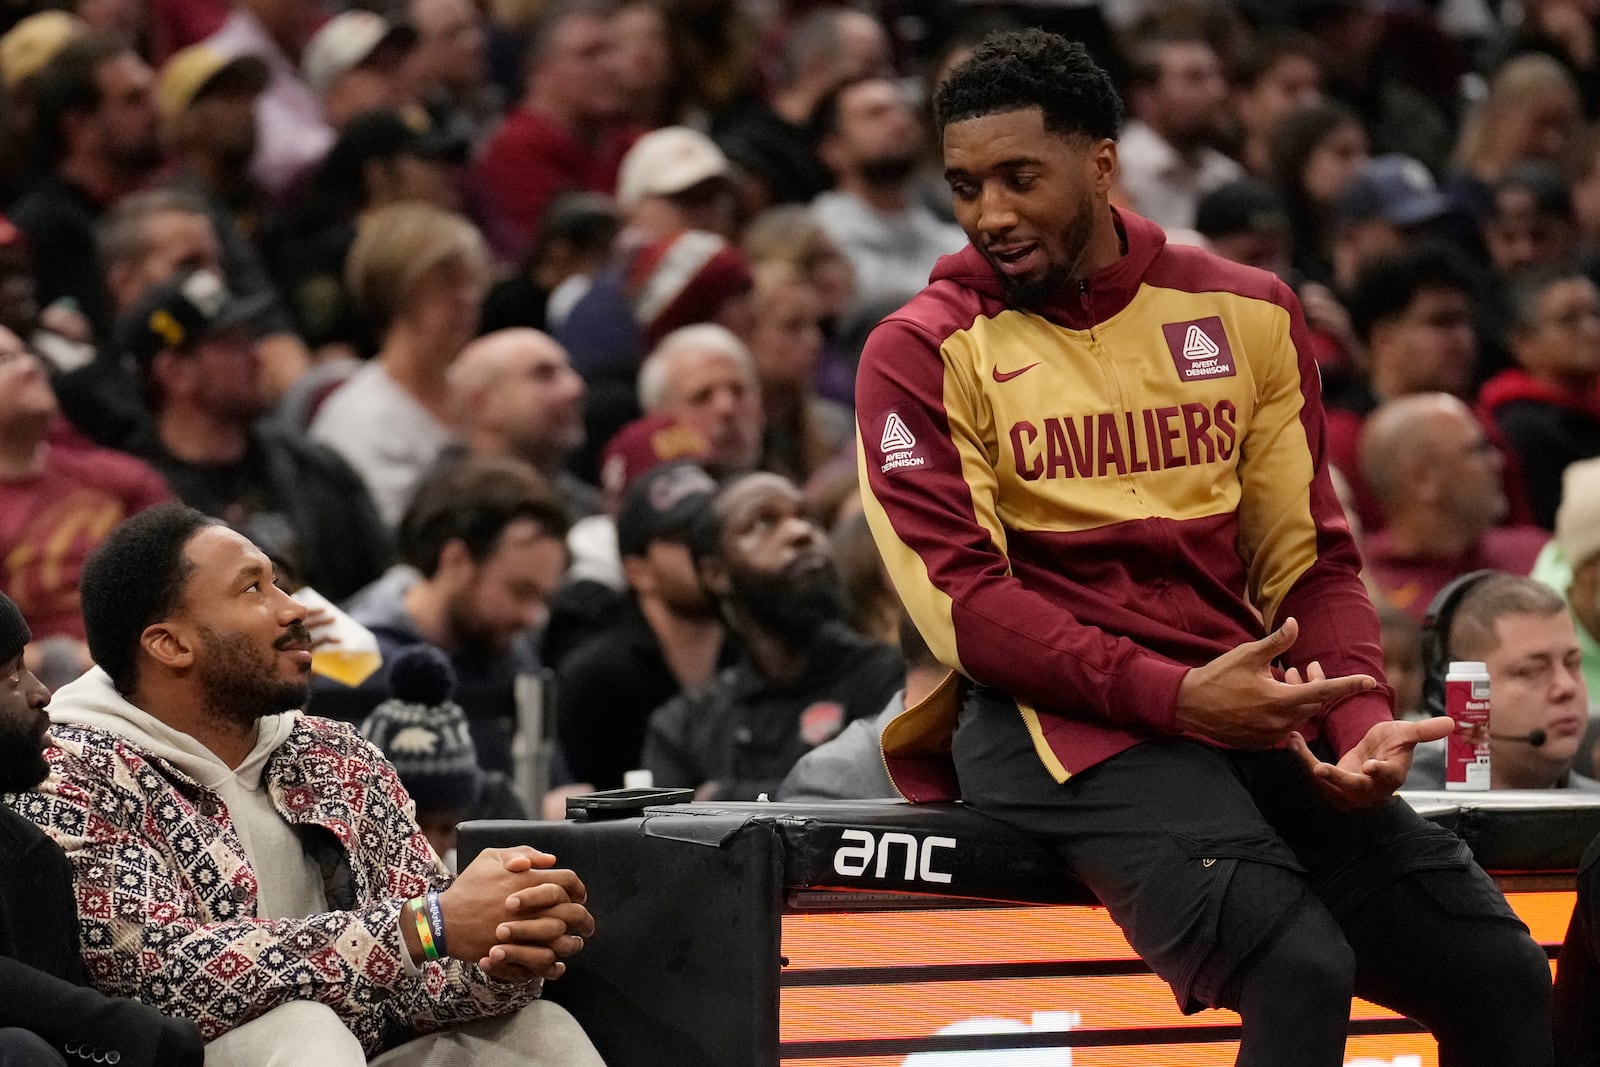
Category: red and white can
[1466,700]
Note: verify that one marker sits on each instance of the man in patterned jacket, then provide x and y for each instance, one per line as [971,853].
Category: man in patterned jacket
[251,868]
[1094,469]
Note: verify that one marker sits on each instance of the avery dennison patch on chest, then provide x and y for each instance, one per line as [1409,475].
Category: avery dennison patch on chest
[1200,349]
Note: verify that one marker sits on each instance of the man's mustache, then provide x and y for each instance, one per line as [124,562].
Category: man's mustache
[295,635]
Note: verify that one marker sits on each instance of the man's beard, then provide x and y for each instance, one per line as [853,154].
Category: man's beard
[22,762]
[1075,240]
[888,171]
[792,606]
[240,685]
[474,640]
[138,159]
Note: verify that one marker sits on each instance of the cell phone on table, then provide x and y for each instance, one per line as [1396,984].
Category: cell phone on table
[620,803]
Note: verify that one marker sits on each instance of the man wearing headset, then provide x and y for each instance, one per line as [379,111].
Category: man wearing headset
[1538,702]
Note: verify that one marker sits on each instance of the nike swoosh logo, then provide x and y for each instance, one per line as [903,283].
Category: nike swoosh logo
[1006,376]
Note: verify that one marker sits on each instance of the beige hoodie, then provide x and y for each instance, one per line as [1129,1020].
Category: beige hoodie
[289,882]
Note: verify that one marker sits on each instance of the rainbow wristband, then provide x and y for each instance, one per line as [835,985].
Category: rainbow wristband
[436,921]
[419,914]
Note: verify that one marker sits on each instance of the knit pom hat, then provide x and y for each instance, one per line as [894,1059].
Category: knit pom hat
[424,732]
[684,279]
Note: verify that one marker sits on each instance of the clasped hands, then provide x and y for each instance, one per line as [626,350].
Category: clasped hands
[1238,700]
[516,915]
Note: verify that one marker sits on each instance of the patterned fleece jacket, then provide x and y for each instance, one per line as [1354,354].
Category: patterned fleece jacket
[167,897]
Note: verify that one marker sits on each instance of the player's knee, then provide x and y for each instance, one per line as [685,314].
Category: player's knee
[1300,954]
[1314,967]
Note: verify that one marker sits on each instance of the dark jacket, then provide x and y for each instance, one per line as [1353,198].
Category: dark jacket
[42,987]
[324,522]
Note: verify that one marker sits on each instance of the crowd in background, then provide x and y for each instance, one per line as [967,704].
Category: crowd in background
[527,329]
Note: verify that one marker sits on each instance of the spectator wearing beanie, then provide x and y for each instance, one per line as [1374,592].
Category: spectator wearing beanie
[692,276]
[424,733]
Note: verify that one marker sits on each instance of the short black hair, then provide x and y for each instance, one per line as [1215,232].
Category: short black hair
[1544,182]
[1527,287]
[1016,70]
[473,500]
[1388,284]
[133,580]
[70,84]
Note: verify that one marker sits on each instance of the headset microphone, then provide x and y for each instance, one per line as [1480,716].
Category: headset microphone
[1532,737]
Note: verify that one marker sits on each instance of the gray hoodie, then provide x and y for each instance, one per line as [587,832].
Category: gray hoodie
[290,882]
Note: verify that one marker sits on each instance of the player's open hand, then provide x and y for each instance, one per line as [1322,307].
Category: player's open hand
[1236,698]
[1368,775]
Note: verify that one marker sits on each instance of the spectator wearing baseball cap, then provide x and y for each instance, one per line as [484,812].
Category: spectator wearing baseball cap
[293,135]
[677,178]
[191,341]
[1389,205]
[592,597]
[668,637]
[33,42]
[24,51]
[355,63]
[208,110]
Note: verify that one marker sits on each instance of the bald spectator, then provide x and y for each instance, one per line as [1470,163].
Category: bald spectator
[771,140]
[357,62]
[1547,407]
[566,133]
[515,394]
[705,375]
[293,134]
[97,141]
[1178,99]
[1437,476]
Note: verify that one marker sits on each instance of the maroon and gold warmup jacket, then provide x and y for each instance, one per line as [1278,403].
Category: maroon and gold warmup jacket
[1081,501]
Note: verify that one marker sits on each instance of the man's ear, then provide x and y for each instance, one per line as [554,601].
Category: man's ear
[829,153]
[455,563]
[714,576]
[637,573]
[1103,160]
[170,644]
